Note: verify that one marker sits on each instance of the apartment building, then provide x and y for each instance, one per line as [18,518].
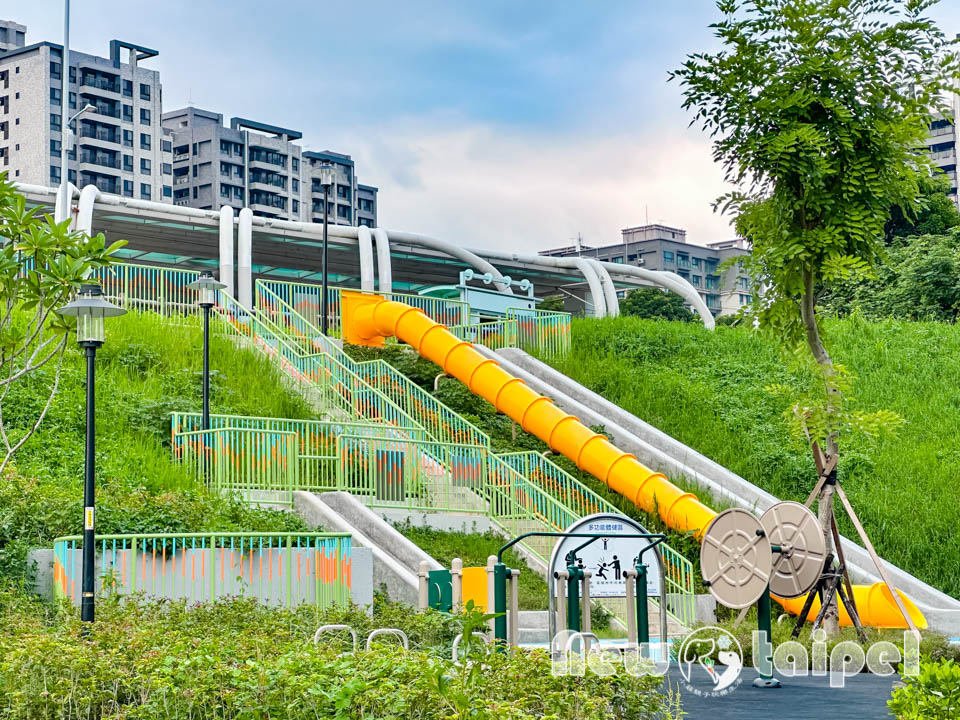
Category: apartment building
[118,145]
[260,166]
[659,247]
[943,143]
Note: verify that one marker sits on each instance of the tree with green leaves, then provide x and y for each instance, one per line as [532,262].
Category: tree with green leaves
[42,263]
[936,212]
[817,109]
[655,304]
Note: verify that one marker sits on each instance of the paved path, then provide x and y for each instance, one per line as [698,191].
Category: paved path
[863,697]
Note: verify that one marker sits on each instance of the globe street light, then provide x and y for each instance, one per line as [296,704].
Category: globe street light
[206,287]
[326,180]
[89,309]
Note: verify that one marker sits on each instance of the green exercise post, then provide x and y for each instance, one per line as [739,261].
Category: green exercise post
[643,620]
[574,576]
[500,604]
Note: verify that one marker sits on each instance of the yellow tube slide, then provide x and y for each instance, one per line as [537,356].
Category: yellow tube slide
[368,319]
[874,603]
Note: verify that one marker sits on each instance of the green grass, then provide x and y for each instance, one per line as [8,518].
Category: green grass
[147,368]
[707,390]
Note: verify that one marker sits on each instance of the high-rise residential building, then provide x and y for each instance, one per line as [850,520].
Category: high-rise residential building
[260,166]
[659,247]
[117,146]
[943,143]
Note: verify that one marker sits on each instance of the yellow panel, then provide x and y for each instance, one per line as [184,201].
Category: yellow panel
[475,587]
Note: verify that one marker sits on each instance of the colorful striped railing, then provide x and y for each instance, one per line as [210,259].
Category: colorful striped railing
[544,332]
[150,287]
[287,569]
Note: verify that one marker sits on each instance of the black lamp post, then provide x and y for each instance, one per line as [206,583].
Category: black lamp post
[206,287]
[89,309]
[326,179]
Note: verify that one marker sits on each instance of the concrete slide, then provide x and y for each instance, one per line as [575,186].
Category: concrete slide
[368,319]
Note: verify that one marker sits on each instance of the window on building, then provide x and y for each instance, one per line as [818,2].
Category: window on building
[128,113]
[54,174]
[295,164]
[618,260]
[180,150]
[144,91]
[73,101]
[343,212]
[128,138]
[144,116]
[194,193]
[296,206]
[128,188]
[195,149]
[667,256]
[697,262]
[743,283]
[144,166]
[128,163]
[745,299]
[54,122]
[55,148]
[73,75]
[683,260]
[128,92]
[144,141]
[55,96]
[224,190]
[144,191]
[295,185]
[166,168]
[55,68]
[166,146]
[697,280]
[195,170]
[712,283]
[72,176]
[167,191]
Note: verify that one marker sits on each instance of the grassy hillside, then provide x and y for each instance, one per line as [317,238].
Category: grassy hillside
[707,390]
[146,369]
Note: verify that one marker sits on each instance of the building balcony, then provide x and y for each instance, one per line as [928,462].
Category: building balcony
[101,84]
[100,160]
[270,187]
[101,134]
[183,180]
[103,183]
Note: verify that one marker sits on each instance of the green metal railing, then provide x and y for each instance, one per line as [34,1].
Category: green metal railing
[335,385]
[305,299]
[545,332]
[442,423]
[149,287]
[494,334]
[582,501]
[242,460]
[316,441]
[286,568]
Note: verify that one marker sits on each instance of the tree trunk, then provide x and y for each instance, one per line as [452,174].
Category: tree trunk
[831,620]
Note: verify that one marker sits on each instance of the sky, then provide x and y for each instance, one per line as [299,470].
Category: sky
[503,124]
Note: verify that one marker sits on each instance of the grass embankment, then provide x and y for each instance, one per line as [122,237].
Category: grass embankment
[236,659]
[707,390]
[147,368]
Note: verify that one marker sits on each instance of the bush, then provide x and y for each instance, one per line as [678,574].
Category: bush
[933,695]
[236,659]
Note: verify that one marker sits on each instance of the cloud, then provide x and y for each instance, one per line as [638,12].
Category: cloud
[487,186]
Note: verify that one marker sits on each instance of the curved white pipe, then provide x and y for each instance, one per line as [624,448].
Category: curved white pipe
[462,254]
[384,269]
[88,196]
[609,290]
[245,258]
[365,245]
[671,281]
[589,273]
[58,216]
[226,248]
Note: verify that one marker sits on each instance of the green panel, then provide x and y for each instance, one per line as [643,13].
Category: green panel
[440,596]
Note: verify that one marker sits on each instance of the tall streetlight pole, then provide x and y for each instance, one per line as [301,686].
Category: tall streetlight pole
[65,143]
[64,105]
[206,287]
[89,309]
[326,179]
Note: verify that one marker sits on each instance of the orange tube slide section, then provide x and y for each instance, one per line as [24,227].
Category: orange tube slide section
[368,319]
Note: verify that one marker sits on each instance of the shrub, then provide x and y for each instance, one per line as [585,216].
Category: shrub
[933,695]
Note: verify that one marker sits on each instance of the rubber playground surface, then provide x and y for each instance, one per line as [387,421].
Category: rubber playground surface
[863,697]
